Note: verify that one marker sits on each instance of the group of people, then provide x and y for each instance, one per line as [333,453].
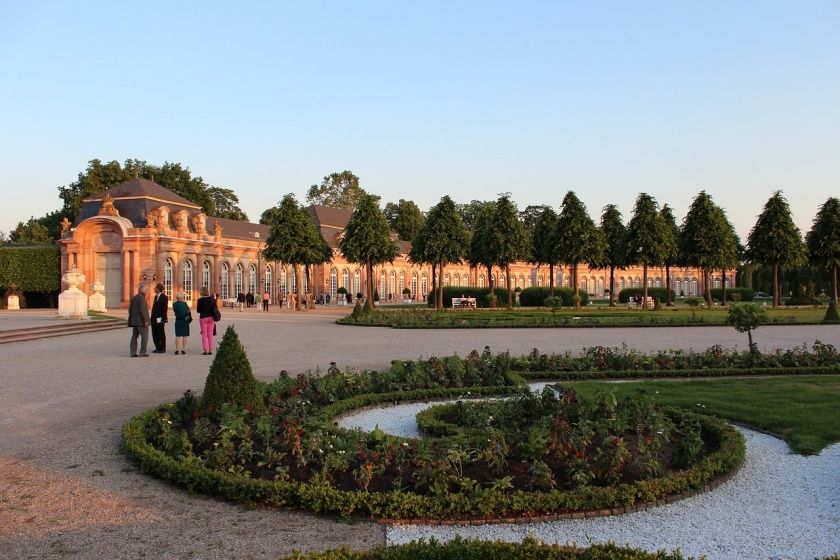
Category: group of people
[249,300]
[139,319]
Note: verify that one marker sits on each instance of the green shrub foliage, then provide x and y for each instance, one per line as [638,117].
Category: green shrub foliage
[31,269]
[481,295]
[535,296]
[831,315]
[231,381]
[627,294]
[733,294]
[464,549]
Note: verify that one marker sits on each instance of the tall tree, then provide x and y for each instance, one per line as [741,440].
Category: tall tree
[405,218]
[367,239]
[473,211]
[645,244]
[507,239]
[338,190]
[615,239]
[670,246]
[543,250]
[729,250]
[225,204]
[479,253]
[442,240]
[294,239]
[702,236]
[31,233]
[576,238]
[775,240]
[823,240]
[528,217]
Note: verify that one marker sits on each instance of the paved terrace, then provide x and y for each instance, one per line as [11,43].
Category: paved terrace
[67,492]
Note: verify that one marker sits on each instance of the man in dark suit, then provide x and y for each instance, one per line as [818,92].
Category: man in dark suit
[160,306]
[138,319]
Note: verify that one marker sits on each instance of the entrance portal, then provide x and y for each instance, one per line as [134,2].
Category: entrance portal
[109,273]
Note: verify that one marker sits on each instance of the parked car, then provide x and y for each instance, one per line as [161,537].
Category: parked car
[758,295]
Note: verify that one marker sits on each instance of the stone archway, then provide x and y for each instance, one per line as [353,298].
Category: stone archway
[98,246]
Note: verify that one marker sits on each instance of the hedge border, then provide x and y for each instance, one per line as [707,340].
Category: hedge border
[732,372]
[396,507]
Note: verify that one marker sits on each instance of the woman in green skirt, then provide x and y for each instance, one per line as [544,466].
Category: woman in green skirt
[183,317]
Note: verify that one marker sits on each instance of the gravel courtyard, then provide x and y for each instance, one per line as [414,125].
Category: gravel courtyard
[67,492]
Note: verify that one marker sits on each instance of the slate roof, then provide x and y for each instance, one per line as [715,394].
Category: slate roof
[140,187]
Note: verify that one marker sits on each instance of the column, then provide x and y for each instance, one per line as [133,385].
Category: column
[126,276]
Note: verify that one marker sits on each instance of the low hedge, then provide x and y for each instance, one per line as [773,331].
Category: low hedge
[744,294]
[626,294]
[481,295]
[467,549]
[319,496]
[674,373]
[535,296]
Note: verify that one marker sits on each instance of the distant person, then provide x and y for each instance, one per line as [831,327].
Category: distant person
[206,308]
[240,301]
[160,309]
[138,320]
[249,299]
[266,300]
[183,318]
[327,298]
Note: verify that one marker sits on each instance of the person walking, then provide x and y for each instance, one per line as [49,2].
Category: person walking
[206,309]
[160,309]
[266,300]
[183,318]
[138,320]
[240,300]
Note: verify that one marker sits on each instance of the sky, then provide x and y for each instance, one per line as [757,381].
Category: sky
[426,99]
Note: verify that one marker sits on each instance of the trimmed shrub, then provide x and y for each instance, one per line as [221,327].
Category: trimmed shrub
[480,295]
[31,268]
[627,294]
[230,379]
[746,294]
[831,315]
[535,296]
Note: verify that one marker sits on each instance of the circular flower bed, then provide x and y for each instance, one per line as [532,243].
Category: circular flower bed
[534,455]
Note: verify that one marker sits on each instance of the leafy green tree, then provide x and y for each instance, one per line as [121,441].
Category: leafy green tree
[31,233]
[823,240]
[367,238]
[225,204]
[729,249]
[506,242]
[405,218]
[442,240]
[231,380]
[543,250]
[645,237]
[528,217]
[746,317]
[702,237]
[576,238]
[294,239]
[670,246]
[337,190]
[268,215]
[479,253]
[615,238]
[775,240]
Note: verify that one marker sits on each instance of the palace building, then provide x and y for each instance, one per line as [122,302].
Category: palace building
[140,232]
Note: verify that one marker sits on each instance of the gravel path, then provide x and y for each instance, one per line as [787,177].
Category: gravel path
[64,400]
[779,505]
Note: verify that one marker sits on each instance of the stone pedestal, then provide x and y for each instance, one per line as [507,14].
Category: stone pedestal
[96,302]
[72,302]
[13,302]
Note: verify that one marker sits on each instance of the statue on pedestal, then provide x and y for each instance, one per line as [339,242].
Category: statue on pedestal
[72,302]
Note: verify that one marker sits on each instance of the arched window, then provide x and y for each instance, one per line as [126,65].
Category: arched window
[281,281]
[237,279]
[357,282]
[345,279]
[601,290]
[424,285]
[717,281]
[188,280]
[225,278]
[480,280]
[383,289]
[658,282]
[392,288]
[414,285]
[252,280]
[637,282]
[205,275]
[622,283]
[267,283]
[521,281]
[305,277]
[678,286]
[402,282]
[583,284]
[465,279]
[539,280]
[446,280]
[692,290]
[333,282]
[456,281]
[167,278]
[292,281]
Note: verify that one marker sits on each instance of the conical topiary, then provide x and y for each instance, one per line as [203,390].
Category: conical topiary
[831,316]
[230,379]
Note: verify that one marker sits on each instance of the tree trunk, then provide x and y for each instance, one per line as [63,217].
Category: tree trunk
[439,298]
[575,294]
[510,288]
[644,286]
[834,281]
[723,285]
[298,286]
[434,285]
[777,289]
[749,337]
[707,288]
[370,289]
[668,302]
[551,279]
[490,283]
[612,285]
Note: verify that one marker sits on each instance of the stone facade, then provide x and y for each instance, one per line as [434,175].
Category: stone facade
[140,232]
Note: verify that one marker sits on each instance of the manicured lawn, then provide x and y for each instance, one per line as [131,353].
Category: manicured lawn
[590,316]
[805,411]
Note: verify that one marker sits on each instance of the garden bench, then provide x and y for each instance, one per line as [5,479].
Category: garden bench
[463,303]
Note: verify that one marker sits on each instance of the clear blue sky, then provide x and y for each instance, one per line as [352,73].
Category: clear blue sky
[426,99]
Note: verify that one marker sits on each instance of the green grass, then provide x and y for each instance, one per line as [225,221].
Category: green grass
[590,316]
[804,411]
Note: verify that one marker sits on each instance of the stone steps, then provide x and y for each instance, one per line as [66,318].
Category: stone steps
[64,329]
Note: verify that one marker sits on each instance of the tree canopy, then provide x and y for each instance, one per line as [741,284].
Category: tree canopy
[506,241]
[337,190]
[823,239]
[405,218]
[225,204]
[645,236]
[543,250]
[33,232]
[615,243]
[576,238]
[704,238]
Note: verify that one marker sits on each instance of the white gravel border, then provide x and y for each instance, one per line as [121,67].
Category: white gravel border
[779,505]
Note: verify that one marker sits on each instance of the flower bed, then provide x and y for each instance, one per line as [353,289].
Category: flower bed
[567,457]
